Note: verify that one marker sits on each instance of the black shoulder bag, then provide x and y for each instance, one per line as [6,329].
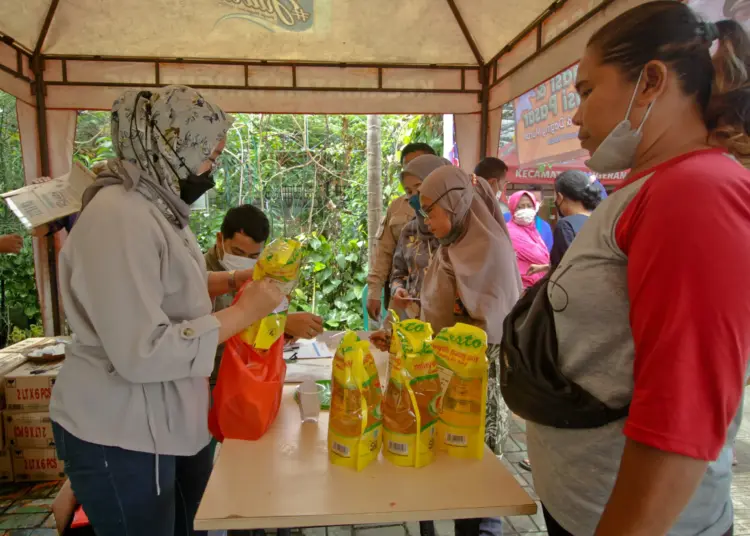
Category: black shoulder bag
[532,383]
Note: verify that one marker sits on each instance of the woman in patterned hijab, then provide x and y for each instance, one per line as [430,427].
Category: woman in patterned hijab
[130,405]
[161,139]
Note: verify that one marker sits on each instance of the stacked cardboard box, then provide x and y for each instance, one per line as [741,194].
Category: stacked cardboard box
[11,358]
[28,429]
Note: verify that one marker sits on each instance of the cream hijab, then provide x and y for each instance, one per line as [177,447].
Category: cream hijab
[478,267]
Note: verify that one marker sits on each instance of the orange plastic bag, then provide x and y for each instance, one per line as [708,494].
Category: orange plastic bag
[248,390]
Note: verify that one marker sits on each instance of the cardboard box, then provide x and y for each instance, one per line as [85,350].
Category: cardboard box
[37,465]
[8,363]
[24,430]
[6,466]
[29,387]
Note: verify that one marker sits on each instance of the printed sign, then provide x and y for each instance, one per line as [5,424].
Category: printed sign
[544,120]
[289,15]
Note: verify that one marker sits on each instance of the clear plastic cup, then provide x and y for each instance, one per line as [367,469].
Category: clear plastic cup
[310,394]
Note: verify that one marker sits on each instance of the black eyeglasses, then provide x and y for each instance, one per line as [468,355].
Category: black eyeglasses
[425,212]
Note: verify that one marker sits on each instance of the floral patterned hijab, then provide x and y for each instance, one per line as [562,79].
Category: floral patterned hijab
[160,137]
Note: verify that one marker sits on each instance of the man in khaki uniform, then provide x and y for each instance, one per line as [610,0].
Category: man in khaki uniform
[398,214]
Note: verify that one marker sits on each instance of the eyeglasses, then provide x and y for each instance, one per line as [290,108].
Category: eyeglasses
[425,212]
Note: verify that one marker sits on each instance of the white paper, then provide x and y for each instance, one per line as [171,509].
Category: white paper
[308,349]
[38,204]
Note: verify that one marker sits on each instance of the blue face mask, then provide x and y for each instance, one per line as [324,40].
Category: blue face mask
[414,203]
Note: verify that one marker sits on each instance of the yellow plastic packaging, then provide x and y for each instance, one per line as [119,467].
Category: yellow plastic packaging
[410,402]
[280,261]
[355,423]
[461,354]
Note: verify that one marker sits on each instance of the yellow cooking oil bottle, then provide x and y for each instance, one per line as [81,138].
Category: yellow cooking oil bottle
[279,261]
[410,402]
[461,355]
[355,422]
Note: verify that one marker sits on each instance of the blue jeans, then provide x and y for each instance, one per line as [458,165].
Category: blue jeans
[117,487]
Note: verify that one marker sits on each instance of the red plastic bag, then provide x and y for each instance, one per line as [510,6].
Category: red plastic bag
[248,390]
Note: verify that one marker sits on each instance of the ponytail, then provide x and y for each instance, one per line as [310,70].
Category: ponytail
[728,111]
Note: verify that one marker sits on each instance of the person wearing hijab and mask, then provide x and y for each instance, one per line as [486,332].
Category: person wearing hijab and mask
[416,244]
[527,242]
[130,404]
[414,250]
[650,303]
[473,279]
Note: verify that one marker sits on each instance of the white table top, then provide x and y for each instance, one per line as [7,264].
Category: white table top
[285,480]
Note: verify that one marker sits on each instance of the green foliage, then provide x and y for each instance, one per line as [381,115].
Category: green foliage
[309,175]
[19,306]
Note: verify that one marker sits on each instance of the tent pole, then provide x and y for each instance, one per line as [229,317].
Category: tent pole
[484,125]
[37,67]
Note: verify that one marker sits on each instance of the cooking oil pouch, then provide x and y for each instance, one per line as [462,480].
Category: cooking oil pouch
[408,335]
[279,261]
[410,403]
[355,423]
[461,354]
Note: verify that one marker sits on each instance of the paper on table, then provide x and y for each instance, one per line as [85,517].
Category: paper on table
[309,369]
[308,349]
[42,203]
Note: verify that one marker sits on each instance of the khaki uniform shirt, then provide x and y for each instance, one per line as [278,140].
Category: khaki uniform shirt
[399,213]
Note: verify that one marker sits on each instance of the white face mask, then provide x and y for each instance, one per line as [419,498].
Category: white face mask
[617,151]
[235,262]
[524,216]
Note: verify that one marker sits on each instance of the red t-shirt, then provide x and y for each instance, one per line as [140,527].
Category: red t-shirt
[687,237]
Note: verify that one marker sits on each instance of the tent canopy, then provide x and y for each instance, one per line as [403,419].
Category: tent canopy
[295,56]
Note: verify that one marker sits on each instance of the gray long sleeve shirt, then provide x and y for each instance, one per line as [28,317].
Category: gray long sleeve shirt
[134,288]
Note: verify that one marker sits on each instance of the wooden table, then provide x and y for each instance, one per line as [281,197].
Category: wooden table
[285,480]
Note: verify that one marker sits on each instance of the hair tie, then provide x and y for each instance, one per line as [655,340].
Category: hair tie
[709,31]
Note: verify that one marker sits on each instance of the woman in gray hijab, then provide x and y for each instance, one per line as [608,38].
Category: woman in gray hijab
[416,244]
[473,278]
[130,405]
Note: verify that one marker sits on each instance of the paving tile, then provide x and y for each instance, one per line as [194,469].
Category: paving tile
[412,529]
[528,477]
[539,517]
[50,523]
[11,492]
[510,446]
[510,466]
[523,524]
[520,480]
[445,528]
[531,492]
[390,530]
[44,532]
[43,490]
[515,457]
[22,521]
[30,506]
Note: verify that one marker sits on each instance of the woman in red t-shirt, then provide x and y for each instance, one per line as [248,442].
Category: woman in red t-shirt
[651,302]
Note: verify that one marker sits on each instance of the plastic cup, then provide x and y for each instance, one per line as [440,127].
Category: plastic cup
[310,394]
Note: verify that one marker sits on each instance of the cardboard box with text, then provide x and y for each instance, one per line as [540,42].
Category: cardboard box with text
[37,465]
[24,430]
[29,387]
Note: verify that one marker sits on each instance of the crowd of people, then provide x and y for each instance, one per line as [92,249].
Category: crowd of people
[663,94]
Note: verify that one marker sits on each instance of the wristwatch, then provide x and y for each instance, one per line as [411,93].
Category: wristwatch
[233,280]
